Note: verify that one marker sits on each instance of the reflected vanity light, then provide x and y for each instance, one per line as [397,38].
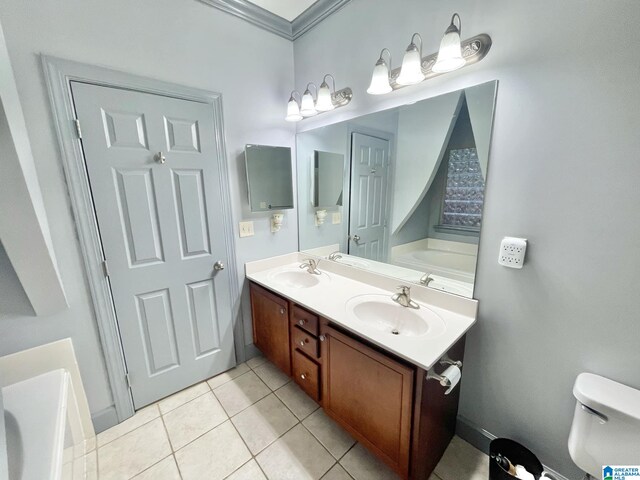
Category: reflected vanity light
[276,222]
[325,102]
[453,55]
[321,215]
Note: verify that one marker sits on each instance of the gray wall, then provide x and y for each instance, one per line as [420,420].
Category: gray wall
[563,173]
[181,41]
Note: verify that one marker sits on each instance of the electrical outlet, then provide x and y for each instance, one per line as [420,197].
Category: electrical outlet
[336,218]
[512,251]
[246,229]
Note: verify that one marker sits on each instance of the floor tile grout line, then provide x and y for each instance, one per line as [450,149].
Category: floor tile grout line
[322,444]
[185,402]
[225,410]
[150,466]
[132,430]
[228,419]
[253,457]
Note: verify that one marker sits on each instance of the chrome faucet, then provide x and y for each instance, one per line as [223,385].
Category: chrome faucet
[404,297]
[311,265]
[334,256]
[426,279]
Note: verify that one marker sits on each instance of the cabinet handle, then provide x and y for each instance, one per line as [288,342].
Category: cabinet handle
[282,311]
[302,342]
[301,322]
[303,376]
[322,338]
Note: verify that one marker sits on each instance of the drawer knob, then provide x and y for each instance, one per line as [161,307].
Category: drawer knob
[303,376]
[322,338]
[282,311]
[302,342]
[302,321]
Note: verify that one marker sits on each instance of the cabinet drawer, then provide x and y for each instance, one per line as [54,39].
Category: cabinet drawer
[304,341]
[305,320]
[306,373]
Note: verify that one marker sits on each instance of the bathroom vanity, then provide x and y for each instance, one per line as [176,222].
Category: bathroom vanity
[372,380]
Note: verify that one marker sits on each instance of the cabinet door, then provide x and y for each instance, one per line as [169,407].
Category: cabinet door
[370,395]
[271,327]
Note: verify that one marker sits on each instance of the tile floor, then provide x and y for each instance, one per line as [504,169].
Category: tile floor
[250,423]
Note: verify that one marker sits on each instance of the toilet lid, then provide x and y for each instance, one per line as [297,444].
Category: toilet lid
[607,397]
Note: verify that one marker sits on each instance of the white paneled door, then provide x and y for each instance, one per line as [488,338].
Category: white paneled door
[368,204]
[154,175]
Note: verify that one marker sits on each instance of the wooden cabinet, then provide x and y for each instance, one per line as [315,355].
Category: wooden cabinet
[385,403]
[306,373]
[271,326]
[370,395]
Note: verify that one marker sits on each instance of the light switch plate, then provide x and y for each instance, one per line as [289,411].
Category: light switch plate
[512,251]
[246,229]
[336,218]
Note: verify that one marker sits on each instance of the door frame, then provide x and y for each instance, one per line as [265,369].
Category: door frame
[391,138]
[59,73]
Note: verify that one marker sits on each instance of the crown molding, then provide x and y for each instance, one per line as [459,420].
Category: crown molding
[314,15]
[273,23]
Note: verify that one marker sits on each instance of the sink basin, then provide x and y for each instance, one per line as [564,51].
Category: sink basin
[295,277]
[383,314]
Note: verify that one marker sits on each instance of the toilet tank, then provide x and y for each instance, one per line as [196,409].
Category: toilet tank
[606,424]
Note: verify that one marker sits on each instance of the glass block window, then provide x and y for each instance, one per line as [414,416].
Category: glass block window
[464,190]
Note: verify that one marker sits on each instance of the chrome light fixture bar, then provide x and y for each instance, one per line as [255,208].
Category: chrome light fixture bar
[453,55]
[325,102]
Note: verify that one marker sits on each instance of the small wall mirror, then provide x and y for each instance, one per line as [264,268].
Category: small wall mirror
[328,175]
[411,188]
[269,177]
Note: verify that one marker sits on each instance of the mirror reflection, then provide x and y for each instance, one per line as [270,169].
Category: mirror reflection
[401,191]
[269,177]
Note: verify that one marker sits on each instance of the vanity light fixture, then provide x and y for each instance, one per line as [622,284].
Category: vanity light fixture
[411,70]
[308,106]
[326,100]
[293,109]
[380,78]
[450,53]
[453,54]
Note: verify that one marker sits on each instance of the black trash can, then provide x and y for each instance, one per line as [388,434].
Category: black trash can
[517,455]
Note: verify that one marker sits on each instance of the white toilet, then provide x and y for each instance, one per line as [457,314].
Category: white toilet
[606,424]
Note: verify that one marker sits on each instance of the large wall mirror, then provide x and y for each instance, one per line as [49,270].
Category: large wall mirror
[401,191]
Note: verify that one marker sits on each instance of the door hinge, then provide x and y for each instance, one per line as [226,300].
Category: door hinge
[128,380]
[105,268]
[78,129]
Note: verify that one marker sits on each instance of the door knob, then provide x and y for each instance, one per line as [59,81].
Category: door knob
[218,266]
[356,239]
[160,158]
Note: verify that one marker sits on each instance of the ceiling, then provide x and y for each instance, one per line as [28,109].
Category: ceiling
[287,9]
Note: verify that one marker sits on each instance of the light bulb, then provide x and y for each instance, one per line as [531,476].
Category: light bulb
[293,110]
[411,70]
[450,53]
[308,108]
[324,102]
[380,79]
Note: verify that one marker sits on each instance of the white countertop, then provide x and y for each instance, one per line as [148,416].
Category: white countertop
[329,298]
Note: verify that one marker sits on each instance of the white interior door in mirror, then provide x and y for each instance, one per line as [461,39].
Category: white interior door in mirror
[153,171]
[369,203]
